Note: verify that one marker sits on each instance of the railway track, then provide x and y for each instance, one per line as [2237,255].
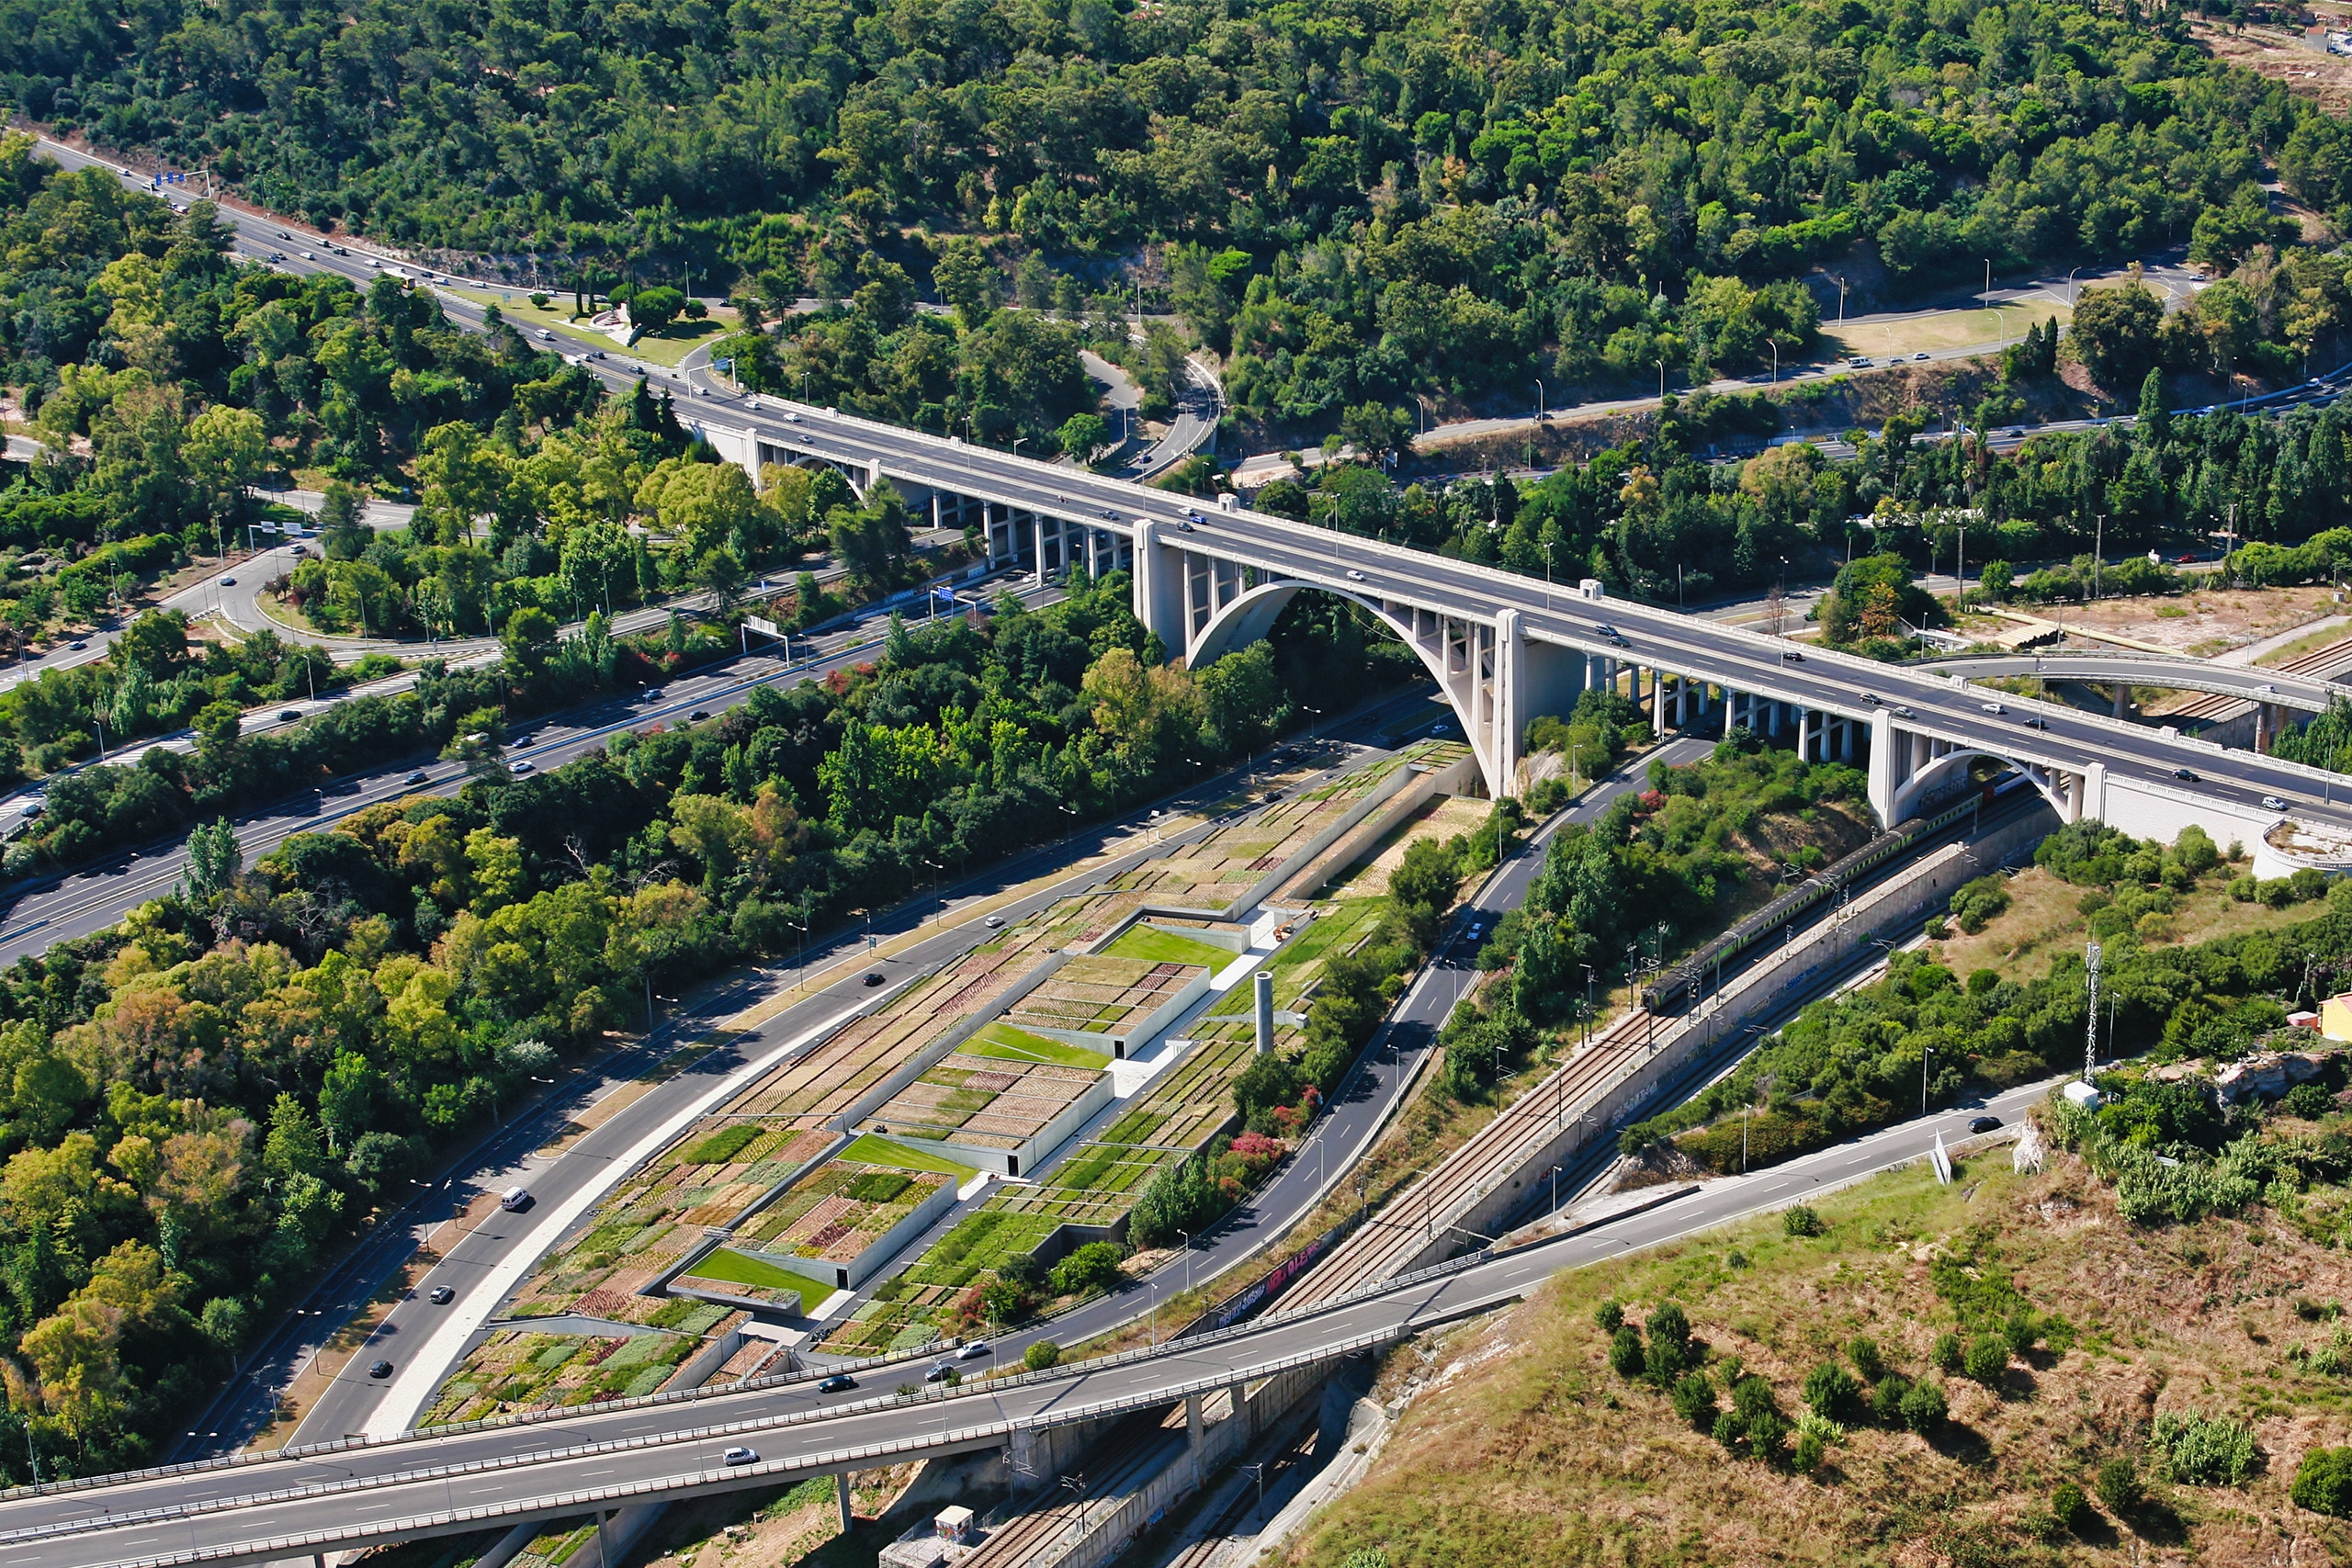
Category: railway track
[2328,663]
[1387,1242]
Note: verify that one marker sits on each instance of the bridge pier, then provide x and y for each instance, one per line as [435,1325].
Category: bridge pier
[842,1499]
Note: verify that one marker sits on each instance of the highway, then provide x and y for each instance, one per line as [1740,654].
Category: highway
[1374,572]
[343,1493]
[2253,683]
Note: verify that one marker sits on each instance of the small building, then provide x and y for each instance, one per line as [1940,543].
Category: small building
[953,1525]
[2336,1017]
[2081,1094]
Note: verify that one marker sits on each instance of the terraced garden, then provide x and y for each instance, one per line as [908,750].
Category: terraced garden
[1153,945]
[1103,996]
[1338,926]
[520,1369]
[710,1177]
[820,1083]
[1214,873]
[1002,1042]
[731,1273]
[831,1216]
[983,1102]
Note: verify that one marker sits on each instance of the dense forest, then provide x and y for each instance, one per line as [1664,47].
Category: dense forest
[1366,201]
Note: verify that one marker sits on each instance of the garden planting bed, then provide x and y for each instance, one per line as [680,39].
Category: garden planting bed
[1114,1000]
[1219,870]
[822,1084]
[1003,1115]
[516,1368]
[830,1220]
[710,1177]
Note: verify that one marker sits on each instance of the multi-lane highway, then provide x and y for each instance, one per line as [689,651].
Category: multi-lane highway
[342,1494]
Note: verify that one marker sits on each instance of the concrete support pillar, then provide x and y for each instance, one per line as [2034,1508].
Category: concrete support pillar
[1265,984]
[1846,735]
[1885,779]
[1802,725]
[1037,526]
[1731,711]
[1238,1393]
[1772,719]
[842,1499]
[1160,590]
[1193,1421]
[2122,700]
[1657,703]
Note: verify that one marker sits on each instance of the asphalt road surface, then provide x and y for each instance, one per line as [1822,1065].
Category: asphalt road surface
[647,1450]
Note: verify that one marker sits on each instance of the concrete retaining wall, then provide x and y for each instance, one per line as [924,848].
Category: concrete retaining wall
[1893,910]
[1424,785]
[944,1046]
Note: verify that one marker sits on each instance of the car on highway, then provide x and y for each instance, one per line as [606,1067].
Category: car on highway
[1870,697]
[307,256]
[287,716]
[1902,712]
[940,1372]
[414,778]
[1791,656]
[873,978]
[519,768]
[379,1369]
[994,921]
[971,1350]
[78,644]
[1984,1124]
[545,336]
[740,1455]
[698,716]
[837,1383]
[1860,362]
[2184,775]
[2272,803]
[1991,708]
[1354,576]
[228,583]
[2017,432]
[441,1295]
[514,1199]
[33,809]
[2035,721]
[1920,355]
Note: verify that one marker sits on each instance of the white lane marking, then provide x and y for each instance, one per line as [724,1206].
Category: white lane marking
[396,1412]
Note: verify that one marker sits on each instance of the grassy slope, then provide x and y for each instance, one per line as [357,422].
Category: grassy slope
[868,1149]
[1531,1452]
[1165,947]
[737,1270]
[1006,1044]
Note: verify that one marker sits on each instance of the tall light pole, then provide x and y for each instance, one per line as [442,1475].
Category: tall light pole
[2090,1040]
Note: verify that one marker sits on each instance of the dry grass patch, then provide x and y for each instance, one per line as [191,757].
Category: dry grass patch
[1534,1453]
[2044,919]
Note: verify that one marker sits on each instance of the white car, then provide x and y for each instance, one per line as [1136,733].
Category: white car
[1990,707]
[1354,576]
[972,1350]
[2272,803]
[739,1455]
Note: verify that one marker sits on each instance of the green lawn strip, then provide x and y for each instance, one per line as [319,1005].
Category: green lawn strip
[1003,1043]
[730,1267]
[670,345]
[871,1150]
[1166,947]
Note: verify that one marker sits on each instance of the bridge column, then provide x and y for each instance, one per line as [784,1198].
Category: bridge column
[1731,711]
[1159,590]
[2122,700]
[841,1500]
[1884,774]
[1192,1434]
[1657,703]
[1238,1393]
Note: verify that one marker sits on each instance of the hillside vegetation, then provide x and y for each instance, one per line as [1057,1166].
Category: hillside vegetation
[2110,1391]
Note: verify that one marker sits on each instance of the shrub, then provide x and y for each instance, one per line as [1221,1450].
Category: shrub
[1729,1429]
[2118,1485]
[1694,1400]
[2023,1331]
[1810,1449]
[2324,1483]
[1610,1316]
[2308,1100]
[1987,1358]
[1094,1266]
[2199,1452]
[1766,1436]
[1945,1352]
[1751,1397]
[1669,1344]
[1625,1358]
[1924,1408]
[1801,1220]
[1870,1363]
[1831,1391]
[1886,1397]
[2069,1507]
[1041,1356]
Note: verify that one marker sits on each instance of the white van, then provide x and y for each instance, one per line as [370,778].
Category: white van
[515,1197]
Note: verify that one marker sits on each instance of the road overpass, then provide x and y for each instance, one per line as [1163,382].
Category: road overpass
[333,1497]
[1506,648]
[2271,691]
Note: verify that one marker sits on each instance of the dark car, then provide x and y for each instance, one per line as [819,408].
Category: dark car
[415,778]
[2183,773]
[287,716]
[699,714]
[873,976]
[837,1383]
[379,1369]
[940,1372]
[1984,1124]
[440,1295]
